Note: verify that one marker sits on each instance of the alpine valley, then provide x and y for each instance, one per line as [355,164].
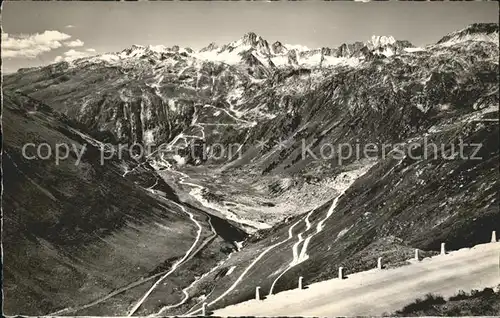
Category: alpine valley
[168,231]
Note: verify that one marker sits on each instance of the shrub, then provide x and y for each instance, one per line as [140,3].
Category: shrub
[420,305]
[460,295]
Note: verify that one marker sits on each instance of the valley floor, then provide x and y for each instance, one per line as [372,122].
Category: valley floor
[378,292]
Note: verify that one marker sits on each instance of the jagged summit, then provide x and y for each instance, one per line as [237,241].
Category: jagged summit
[377,41]
[278,48]
[212,46]
[134,49]
[137,48]
[250,38]
[255,41]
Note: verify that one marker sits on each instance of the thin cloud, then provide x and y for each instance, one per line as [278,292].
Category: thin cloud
[31,45]
[69,26]
[73,55]
[75,43]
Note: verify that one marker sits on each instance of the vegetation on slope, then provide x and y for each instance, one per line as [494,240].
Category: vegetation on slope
[484,302]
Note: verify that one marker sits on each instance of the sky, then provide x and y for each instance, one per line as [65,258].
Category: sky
[42,32]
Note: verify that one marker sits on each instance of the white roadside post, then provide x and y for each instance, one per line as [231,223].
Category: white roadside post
[443,248]
[257,293]
[300,281]
[341,273]
[494,237]
[416,255]
[204,309]
[379,263]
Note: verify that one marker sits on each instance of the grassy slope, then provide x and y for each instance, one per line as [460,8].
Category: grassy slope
[75,232]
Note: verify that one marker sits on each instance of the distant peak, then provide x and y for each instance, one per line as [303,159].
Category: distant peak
[251,38]
[134,48]
[377,40]
[212,46]
[476,32]
[137,46]
[278,48]
[157,48]
[480,28]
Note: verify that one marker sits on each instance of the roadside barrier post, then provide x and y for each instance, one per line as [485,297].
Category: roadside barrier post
[494,237]
[300,282]
[416,255]
[204,309]
[341,273]
[443,248]
[257,293]
[379,263]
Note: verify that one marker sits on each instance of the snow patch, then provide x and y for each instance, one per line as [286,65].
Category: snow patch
[149,136]
[344,231]
[239,245]
[280,60]
[378,41]
[296,47]
[230,270]
[226,56]
[110,58]
[413,49]
[171,105]
[179,160]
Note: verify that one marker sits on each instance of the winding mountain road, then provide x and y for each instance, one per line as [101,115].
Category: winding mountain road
[376,292]
[108,296]
[185,290]
[302,256]
[141,281]
[189,254]
[176,264]
[249,267]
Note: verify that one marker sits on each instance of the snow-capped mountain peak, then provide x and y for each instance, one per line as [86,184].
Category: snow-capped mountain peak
[138,50]
[378,41]
[254,52]
[251,39]
[135,47]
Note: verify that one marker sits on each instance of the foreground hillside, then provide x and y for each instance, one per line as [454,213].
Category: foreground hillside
[75,231]
[378,292]
[107,226]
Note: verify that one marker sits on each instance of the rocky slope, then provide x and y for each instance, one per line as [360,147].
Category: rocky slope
[314,213]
